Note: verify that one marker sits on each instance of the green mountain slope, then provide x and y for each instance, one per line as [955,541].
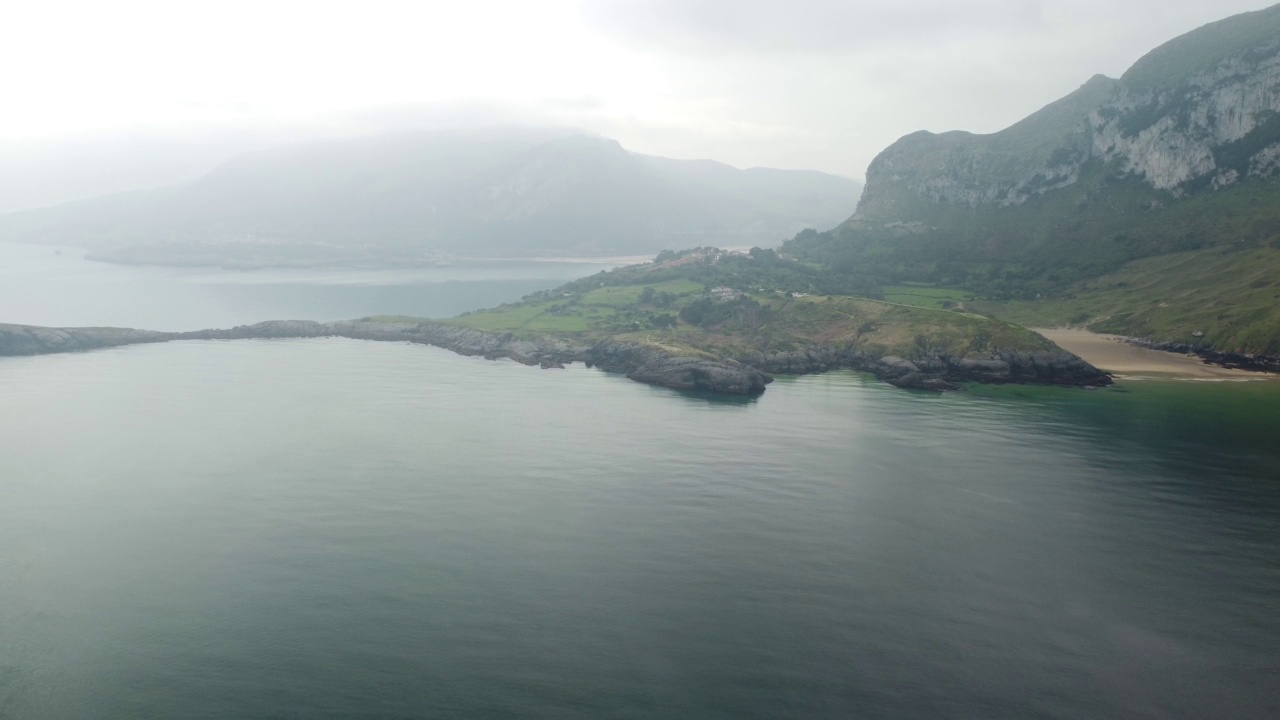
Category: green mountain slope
[1180,155]
[1221,297]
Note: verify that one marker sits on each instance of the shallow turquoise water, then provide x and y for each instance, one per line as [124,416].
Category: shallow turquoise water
[334,528]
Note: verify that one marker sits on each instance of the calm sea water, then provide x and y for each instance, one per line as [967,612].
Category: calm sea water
[335,528]
[39,287]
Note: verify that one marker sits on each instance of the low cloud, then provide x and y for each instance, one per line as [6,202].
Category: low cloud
[806,26]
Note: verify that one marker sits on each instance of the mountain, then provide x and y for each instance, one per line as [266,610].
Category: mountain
[1180,155]
[1202,111]
[511,192]
[38,172]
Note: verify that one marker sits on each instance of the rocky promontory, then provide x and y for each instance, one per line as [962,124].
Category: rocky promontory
[639,362]
[33,340]
[647,363]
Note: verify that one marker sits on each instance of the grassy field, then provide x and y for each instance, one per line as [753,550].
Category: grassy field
[1232,297]
[927,296]
[686,316]
[603,310]
[782,323]
[629,295]
[876,327]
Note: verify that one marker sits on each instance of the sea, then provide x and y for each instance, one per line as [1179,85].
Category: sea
[332,528]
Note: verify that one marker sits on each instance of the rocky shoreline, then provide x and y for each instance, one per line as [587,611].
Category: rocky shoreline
[1229,360]
[743,375]
[941,371]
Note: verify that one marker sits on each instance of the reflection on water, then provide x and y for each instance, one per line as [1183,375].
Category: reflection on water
[333,527]
[703,397]
[1187,427]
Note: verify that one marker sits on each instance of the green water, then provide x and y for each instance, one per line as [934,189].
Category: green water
[1225,421]
[334,528]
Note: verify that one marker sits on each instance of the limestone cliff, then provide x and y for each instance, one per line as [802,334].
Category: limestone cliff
[1199,113]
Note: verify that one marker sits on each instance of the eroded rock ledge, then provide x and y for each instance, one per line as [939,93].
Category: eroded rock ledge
[941,371]
[743,375]
[1231,360]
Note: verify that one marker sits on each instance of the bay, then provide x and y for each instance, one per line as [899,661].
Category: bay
[336,528]
[58,288]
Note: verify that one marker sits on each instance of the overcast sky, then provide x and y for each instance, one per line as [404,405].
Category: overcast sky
[822,84]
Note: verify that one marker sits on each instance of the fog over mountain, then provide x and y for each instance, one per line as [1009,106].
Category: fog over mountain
[502,358]
[47,171]
[820,84]
[520,192]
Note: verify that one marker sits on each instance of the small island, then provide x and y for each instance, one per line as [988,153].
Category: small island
[702,319]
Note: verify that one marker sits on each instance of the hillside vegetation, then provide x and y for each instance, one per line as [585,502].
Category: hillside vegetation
[725,304]
[1040,247]
[1147,206]
[1220,297]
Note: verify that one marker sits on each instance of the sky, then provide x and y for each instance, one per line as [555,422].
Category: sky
[821,84]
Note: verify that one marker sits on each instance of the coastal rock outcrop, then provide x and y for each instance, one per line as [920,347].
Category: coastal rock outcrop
[32,340]
[1231,360]
[642,363]
[646,363]
[652,365]
[939,371]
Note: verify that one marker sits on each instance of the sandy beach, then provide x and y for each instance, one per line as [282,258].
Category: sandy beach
[1110,353]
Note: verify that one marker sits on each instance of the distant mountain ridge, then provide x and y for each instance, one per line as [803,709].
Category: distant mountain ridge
[509,192]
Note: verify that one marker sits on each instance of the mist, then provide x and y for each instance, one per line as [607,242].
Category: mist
[614,359]
[147,94]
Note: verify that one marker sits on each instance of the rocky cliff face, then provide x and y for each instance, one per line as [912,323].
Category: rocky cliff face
[1216,125]
[1199,113]
[1043,152]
